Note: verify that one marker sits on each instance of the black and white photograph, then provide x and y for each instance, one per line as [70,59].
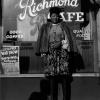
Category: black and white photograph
[50,50]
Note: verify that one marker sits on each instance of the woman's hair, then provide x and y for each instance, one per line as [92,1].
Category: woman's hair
[56,10]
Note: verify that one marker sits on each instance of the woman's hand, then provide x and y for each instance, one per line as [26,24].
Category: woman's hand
[65,44]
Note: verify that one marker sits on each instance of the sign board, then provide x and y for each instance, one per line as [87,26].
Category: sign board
[10,59]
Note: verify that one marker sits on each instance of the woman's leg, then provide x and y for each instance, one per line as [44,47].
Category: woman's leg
[66,87]
[54,88]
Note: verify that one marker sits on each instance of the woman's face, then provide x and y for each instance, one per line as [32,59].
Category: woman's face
[54,18]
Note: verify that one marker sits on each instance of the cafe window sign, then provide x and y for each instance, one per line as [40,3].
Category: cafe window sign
[33,8]
[10,59]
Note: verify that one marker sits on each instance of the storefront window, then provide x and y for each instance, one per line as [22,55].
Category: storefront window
[22,20]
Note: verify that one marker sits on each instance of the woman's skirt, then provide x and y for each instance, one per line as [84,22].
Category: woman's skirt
[56,61]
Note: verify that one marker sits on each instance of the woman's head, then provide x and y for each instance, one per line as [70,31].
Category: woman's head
[55,14]
[54,18]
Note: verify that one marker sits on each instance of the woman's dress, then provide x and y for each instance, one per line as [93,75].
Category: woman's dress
[56,61]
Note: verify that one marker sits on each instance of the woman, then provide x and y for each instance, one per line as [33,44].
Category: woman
[55,45]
